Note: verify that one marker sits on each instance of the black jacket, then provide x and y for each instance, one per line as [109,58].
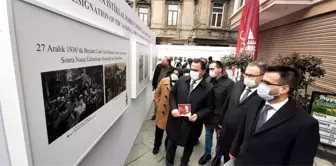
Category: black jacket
[180,129]
[157,71]
[222,87]
[233,113]
[289,137]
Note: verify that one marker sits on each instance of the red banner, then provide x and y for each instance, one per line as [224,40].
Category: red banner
[247,40]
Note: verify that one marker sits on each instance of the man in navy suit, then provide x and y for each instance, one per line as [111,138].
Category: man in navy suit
[276,132]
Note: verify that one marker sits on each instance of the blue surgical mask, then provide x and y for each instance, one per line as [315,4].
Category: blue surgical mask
[264,92]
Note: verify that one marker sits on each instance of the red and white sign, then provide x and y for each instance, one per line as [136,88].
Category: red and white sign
[247,41]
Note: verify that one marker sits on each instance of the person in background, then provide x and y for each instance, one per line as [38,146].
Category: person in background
[209,62]
[160,72]
[185,130]
[222,86]
[206,75]
[161,98]
[277,131]
[242,93]
[188,64]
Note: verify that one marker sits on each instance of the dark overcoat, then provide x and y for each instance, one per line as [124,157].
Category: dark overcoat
[289,137]
[180,129]
[233,113]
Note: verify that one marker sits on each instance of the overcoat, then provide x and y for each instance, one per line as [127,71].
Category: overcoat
[180,129]
[161,98]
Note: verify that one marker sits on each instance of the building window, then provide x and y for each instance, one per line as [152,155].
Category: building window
[241,3]
[217,15]
[143,14]
[172,14]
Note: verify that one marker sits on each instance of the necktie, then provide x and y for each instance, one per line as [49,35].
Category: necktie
[192,87]
[263,116]
[247,91]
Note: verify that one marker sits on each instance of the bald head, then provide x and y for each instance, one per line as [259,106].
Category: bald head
[164,61]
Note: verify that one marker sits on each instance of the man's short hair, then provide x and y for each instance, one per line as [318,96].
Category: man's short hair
[203,64]
[261,65]
[219,64]
[288,75]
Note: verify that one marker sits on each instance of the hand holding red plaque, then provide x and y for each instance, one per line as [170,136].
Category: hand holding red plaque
[184,110]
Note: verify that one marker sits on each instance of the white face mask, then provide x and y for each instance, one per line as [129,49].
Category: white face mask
[174,77]
[212,74]
[194,75]
[250,82]
[264,92]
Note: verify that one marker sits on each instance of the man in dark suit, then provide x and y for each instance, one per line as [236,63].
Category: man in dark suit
[222,87]
[185,131]
[243,93]
[276,132]
[160,72]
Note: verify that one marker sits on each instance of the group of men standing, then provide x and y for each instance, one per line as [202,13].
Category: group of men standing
[255,120]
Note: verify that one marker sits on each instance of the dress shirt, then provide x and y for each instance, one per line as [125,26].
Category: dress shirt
[197,82]
[275,108]
[252,90]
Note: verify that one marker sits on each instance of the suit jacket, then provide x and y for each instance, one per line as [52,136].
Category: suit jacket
[180,129]
[222,88]
[233,112]
[289,137]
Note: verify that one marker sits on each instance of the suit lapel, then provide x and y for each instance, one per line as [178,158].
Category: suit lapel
[254,113]
[187,82]
[285,113]
[249,97]
[241,90]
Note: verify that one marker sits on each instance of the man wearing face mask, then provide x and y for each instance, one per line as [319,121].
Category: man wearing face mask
[161,98]
[242,93]
[222,87]
[160,72]
[277,131]
[184,130]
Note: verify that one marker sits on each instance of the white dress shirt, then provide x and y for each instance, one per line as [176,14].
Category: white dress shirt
[197,82]
[252,90]
[275,108]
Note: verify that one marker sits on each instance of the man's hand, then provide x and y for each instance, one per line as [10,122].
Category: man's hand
[193,118]
[175,113]
[232,157]
[219,126]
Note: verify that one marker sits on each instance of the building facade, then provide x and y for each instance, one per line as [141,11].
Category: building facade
[304,26]
[188,22]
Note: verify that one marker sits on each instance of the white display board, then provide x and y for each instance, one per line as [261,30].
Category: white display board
[140,72]
[194,51]
[154,61]
[73,61]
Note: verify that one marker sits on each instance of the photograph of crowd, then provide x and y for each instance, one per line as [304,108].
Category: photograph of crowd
[146,66]
[70,96]
[115,80]
[141,67]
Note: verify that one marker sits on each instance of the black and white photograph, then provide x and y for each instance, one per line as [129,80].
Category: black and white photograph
[115,80]
[146,65]
[70,96]
[141,67]
[154,63]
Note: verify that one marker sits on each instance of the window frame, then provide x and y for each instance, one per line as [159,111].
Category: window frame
[142,14]
[170,22]
[217,14]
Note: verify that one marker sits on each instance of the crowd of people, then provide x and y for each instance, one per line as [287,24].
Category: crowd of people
[255,120]
[70,96]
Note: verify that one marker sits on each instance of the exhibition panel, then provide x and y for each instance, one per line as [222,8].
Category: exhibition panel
[74,61]
[140,62]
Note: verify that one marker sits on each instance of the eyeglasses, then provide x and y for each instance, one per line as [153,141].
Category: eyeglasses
[271,84]
[251,75]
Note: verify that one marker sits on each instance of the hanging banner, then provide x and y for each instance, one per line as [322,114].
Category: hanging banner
[247,41]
